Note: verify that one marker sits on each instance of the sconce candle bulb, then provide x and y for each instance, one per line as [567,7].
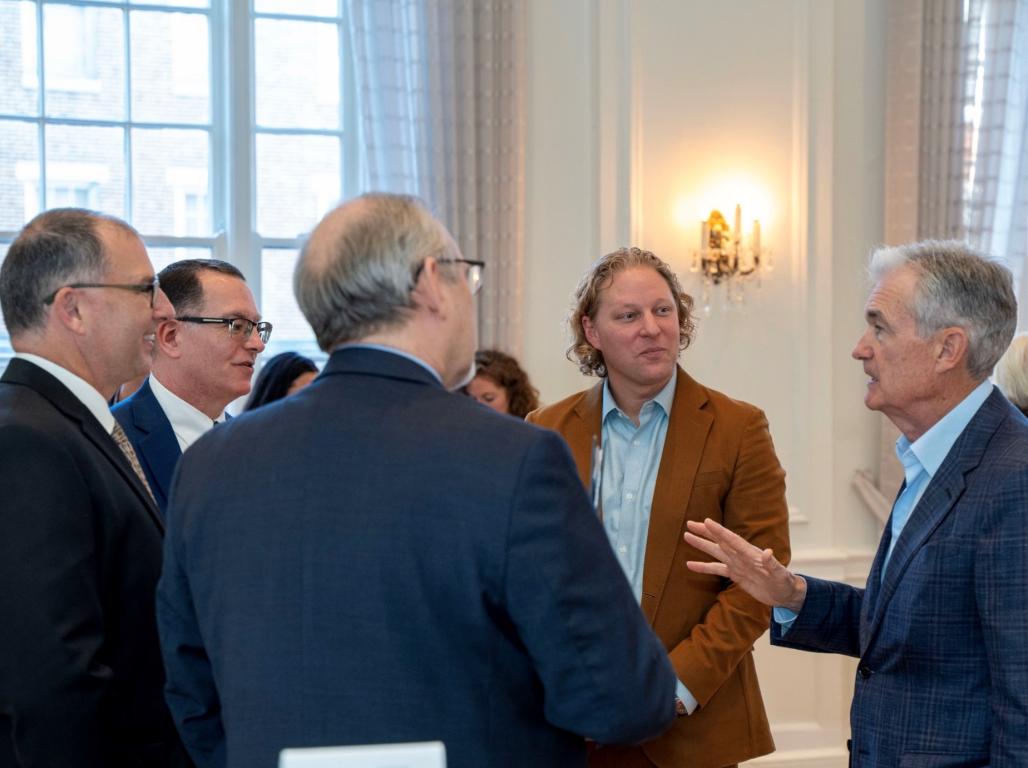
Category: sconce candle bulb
[726,256]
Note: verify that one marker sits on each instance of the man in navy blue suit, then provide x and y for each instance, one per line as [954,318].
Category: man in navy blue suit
[377,559]
[941,630]
[203,360]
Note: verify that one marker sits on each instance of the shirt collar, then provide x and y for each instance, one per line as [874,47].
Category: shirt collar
[931,449]
[83,391]
[394,351]
[663,399]
[187,422]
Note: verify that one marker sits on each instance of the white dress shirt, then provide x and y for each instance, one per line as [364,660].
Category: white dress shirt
[188,423]
[84,392]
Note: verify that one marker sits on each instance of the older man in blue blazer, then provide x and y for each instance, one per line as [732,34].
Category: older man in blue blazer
[941,629]
[378,559]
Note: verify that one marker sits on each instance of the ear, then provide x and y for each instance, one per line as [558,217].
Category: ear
[68,312]
[428,291]
[169,339]
[590,332]
[951,349]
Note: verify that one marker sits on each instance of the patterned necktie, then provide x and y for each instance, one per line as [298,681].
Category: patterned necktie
[126,447]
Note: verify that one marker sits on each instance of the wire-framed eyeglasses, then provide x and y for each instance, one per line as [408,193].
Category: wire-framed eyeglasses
[149,287]
[238,327]
[474,273]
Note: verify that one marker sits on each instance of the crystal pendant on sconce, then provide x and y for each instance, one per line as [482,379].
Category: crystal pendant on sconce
[727,260]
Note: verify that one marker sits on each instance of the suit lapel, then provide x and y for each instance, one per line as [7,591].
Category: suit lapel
[582,429]
[25,373]
[938,500]
[106,445]
[688,427]
[158,448]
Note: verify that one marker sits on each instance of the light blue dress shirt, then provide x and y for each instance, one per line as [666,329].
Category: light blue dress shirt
[631,458]
[921,461]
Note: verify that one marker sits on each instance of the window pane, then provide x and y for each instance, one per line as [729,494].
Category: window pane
[19,173]
[298,7]
[162,257]
[19,81]
[169,182]
[176,3]
[84,62]
[297,74]
[297,182]
[170,68]
[278,306]
[3,328]
[85,167]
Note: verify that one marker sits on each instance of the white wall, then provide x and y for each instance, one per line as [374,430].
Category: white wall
[644,114]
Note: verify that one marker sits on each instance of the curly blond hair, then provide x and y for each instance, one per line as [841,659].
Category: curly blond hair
[587,301]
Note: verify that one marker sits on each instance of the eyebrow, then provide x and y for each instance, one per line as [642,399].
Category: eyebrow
[874,316]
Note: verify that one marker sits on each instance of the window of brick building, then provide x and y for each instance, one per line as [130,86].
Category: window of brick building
[215,127]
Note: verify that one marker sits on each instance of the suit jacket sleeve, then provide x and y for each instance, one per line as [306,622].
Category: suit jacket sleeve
[1001,586]
[604,672]
[829,621]
[189,689]
[50,670]
[754,508]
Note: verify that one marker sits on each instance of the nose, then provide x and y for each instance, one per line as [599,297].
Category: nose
[862,351]
[162,307]
[254,341]
[649,324]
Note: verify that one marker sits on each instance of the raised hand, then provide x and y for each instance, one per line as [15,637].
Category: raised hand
[756,571]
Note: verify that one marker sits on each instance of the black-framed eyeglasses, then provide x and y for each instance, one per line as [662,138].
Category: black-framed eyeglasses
[148,287]
[238,327]
[474,271]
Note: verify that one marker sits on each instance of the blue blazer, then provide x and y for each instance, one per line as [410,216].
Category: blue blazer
[153,439]
[943,639]
[375,559]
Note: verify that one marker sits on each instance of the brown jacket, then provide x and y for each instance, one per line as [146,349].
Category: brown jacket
[718,462]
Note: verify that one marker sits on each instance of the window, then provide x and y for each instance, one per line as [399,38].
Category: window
[128,112]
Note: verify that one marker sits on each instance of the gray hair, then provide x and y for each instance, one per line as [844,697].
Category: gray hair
[957,286]
[57,247]
[360,281]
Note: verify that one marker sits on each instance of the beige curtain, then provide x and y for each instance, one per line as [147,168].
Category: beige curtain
[439,93]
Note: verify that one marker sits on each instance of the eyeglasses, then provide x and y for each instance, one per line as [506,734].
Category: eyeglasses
[148,287]
[474,274]
[238,327]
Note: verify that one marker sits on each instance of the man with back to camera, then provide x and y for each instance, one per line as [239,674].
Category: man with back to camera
[80,537]
[203,360]
[674,450]
[378,559]
[941,627]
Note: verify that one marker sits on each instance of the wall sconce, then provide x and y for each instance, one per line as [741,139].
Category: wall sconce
[726,257]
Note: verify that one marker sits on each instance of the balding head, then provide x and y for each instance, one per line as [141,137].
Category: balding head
[356,271]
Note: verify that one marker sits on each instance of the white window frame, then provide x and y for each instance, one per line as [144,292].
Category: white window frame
[232,128]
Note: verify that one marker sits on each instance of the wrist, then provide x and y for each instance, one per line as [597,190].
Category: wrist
[795,601]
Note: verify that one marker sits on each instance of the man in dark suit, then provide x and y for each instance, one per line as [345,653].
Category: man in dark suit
[941,630]
[80,538]
[674,450]
[377,559]
[203,360]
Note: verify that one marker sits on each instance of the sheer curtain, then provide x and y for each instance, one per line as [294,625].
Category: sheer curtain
[956,148]
[440,115]
[973,155]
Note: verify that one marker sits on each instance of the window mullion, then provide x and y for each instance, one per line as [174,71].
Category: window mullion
[238,154]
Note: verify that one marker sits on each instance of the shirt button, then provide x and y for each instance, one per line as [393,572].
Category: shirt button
[635,442]
[622,549]
[629,496]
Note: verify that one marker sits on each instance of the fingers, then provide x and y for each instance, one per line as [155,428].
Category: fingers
[714,569]
[704,545]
